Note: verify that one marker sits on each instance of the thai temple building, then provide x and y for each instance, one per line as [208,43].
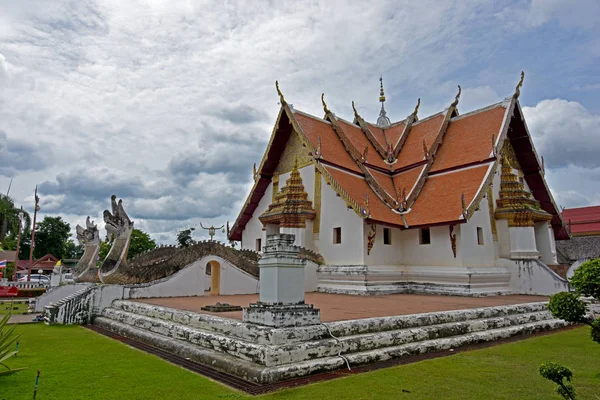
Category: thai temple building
[449,203]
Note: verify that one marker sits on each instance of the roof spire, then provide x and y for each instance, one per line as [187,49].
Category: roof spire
[519,85]
[383,119]
[281,99]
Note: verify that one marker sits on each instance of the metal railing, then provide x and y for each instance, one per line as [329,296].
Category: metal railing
[26,285]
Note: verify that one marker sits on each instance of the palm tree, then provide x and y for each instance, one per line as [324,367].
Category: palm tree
[9,218]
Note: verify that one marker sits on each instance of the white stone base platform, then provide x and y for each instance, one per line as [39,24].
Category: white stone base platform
[263,354]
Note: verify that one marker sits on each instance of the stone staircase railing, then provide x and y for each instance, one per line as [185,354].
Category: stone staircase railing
[73,309]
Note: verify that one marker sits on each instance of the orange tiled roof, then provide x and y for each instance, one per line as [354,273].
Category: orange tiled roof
[416,171]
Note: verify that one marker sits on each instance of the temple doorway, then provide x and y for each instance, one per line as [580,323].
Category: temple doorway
[215,278]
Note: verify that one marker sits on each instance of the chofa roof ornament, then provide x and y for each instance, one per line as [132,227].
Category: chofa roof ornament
[281,99]
[519,85]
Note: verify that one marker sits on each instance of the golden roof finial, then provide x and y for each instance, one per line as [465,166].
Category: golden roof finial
[295,163]
[519,85]
[455,102]
[417,107]
[281,99]
[381,93]
[324,104]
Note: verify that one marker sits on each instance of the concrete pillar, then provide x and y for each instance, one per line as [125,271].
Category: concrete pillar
[299,235]
[522,243]
[544,239]
[281,295]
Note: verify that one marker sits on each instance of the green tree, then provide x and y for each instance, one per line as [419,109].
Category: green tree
[184,238]
[558,374]
[9,218]
[73,250]
[104,249]
[140,241]
[51,236]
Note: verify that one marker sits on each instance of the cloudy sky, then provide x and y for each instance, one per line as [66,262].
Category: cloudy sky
[167,104]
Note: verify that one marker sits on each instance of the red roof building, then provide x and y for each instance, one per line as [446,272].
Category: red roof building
[583,221]
[46,264]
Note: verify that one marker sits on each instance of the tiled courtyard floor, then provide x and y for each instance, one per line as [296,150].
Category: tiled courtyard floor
[339,307]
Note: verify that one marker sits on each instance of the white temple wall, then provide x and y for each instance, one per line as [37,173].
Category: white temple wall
[503,238]
[254,228]
[544,238]
[234,280]
[335,213]
[475,254]
[438,253]
[383,254]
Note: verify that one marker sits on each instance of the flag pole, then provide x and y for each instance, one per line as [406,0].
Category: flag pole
[14,277]
[32,245]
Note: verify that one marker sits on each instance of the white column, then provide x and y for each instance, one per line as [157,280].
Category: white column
[522,243]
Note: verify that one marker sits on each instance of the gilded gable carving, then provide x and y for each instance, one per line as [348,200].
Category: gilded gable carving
[293,149]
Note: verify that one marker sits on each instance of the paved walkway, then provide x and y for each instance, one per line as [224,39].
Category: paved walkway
[340,307]
[21,319]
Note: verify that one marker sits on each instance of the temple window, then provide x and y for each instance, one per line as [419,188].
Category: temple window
[258,245]
[208,269]
[387,236]
[337,235]
[424,236]
[480,236]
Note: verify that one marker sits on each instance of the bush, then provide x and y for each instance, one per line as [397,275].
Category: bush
[567,306]
[557,373]
[31,292]
[596,330]
[586,279]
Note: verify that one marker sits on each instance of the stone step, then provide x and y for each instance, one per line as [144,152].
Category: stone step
[218,360]
[298,352]
[261,374]
[374,340]
[266,335]
[427,346]
[224,326]
[236,347]
[272,355]
[378,324]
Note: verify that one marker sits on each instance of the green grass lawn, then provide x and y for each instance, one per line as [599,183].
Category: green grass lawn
[79,364]
[6,308]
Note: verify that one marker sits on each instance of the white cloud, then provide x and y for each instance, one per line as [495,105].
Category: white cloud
[565,133]
[168,104]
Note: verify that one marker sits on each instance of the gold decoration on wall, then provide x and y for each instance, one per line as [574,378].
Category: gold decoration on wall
[291,207]
[509,153]
[366,211]
[514,203]
[452,239]
[371,238]
[275,187]
[317,202]
[294,149]
[490,199]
